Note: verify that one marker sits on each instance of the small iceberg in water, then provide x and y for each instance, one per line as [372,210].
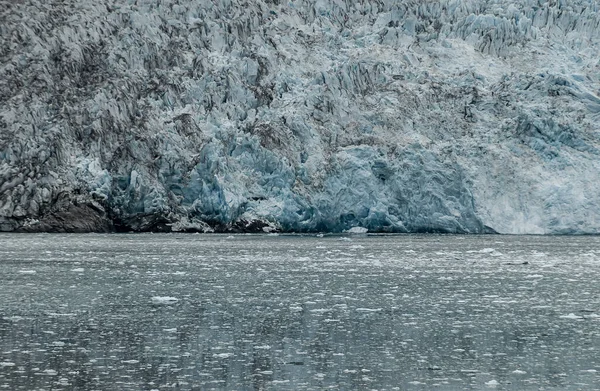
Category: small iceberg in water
[357,230]
[164,300]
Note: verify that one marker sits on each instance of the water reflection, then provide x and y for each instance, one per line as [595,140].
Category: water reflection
[89,312]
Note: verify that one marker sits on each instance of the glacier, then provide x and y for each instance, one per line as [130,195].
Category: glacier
[457,116]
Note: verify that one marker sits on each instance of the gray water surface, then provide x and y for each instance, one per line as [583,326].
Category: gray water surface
[196,312]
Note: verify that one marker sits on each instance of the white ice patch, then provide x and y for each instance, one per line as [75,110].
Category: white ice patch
[357,230]
[368,309]
[7,364]
[482,251]
[571,316]
[78,270]
[492,383]
[27,271]
[224,355]
[164,300]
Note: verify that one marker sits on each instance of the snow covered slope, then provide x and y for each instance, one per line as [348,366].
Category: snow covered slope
[303,115]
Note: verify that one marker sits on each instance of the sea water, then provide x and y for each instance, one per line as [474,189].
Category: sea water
[299,312]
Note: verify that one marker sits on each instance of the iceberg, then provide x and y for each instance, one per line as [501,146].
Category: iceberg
[164,300]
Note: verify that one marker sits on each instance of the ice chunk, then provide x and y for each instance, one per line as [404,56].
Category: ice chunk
[7,364]
[358,230]
[571,316]
[482,251]
[164,300]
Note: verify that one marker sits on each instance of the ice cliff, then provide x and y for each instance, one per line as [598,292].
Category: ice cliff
[302,115]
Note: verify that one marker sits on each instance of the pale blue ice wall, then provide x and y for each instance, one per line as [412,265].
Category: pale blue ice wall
[301,115]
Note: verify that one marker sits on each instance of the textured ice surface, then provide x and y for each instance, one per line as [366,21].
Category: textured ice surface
[200,115]
[407,312]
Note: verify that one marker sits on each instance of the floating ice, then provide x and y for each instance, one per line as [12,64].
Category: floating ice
[571,316]
[164,300]
[357,230]
[482,251]
[7,364]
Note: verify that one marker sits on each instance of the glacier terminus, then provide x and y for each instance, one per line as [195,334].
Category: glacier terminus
[228,115]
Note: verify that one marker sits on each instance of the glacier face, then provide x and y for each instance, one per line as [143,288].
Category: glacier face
[450,116]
